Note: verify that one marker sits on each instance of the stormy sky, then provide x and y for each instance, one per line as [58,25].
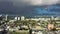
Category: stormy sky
[32,2]
[30,7]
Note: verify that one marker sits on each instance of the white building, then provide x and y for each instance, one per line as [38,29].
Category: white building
[6,17]
[22,18]
[52,17]
[57,18]
[17,18]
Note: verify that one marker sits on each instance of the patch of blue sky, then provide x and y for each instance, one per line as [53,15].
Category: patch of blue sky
[53,8]
[41,11]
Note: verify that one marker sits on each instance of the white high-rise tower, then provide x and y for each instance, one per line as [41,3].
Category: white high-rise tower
[17,18]
[52,17]
[6,17]
[22,18]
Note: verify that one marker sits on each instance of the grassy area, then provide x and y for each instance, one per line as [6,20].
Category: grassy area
[19,32]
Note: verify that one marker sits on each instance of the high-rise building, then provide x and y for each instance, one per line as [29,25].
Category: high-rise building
[52,17]
[17,18]
[6,17]
[22,18]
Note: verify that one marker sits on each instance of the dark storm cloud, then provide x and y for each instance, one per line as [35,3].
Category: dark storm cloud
[24,7]
[32,2]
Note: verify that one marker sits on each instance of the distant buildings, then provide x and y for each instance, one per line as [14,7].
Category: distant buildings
[22,18]
[38,18]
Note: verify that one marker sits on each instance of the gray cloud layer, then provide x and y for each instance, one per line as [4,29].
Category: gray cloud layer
[33,2]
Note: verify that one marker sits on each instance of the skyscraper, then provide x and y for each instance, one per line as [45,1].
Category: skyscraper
[6,17]
[22,18]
